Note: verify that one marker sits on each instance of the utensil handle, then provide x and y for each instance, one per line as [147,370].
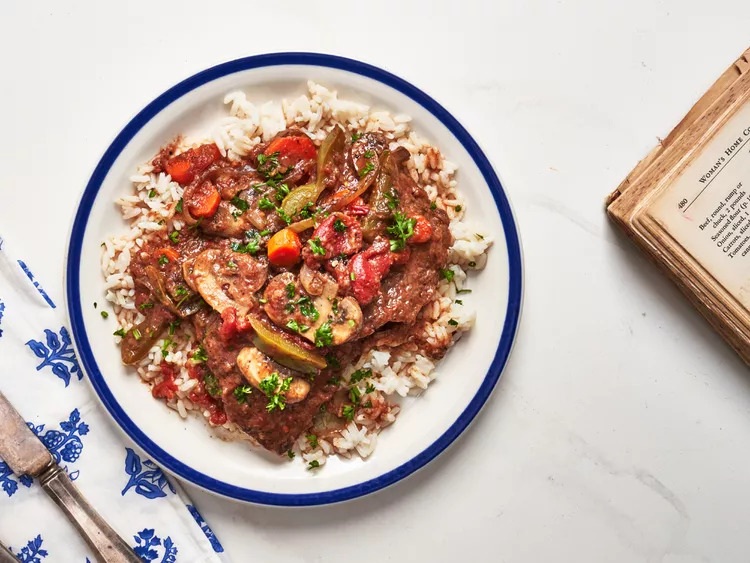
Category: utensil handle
[6,556]
[108,546]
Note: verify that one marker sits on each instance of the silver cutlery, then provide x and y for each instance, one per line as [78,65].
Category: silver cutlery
[25,454]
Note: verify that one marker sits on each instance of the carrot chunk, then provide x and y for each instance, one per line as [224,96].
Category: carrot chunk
[284,248]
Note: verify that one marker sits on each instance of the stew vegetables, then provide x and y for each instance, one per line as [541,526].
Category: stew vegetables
[291,263]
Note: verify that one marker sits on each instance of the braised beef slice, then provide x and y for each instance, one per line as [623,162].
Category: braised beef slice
[408,288]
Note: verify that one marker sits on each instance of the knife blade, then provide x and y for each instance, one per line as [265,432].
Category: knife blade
[25,454]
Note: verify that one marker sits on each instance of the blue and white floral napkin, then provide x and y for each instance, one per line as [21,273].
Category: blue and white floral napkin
[40,375]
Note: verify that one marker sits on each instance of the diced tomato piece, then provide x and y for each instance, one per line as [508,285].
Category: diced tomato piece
[204,200]
[422,230]
[167,388]
[368,268]
[218,417]
[196,371]
[232,324]
[357,208]
[338,234]
[284,248]
[292,148]
[184,167]
[365,282]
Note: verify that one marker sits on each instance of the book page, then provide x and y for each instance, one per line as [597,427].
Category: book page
[707,208]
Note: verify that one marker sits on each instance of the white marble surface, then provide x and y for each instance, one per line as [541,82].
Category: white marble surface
[620,429]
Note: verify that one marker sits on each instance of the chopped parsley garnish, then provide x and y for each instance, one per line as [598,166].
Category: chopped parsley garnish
[151,192]
[179,206]
[119,332]
[401,230]
[308,309]
[211,385]
[276,402]
[463,291]
[348,412]
[144,306]
[312,439]
[352,323]
[163,259]
[240,206]
[269,383]
[174,235]
[304,213]
[368,404]
[447,273]
[180,290]
[335,306]
[370,388]
[453,322]
[355,394]
[136,333]
[284,215]
[324,335]
[314,464]
[296,327]
[282,190]
[104,314]
[458,302]
[369,154]
[472,264]
[199,355]
[266,204]
[274,390]
[262,300]
[458,208]
[339,226]
[316,247]
[250,247]
[356,136]
[290,289]
[369,167]
[433,206]
[241,392]
[359,375]
[290,454]
[392,197]
[165,347]
[265,233]
[231,264]
[332,361]
[268,164]
[352,276]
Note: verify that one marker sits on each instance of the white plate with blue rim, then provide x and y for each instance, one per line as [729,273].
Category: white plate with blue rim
[426,424]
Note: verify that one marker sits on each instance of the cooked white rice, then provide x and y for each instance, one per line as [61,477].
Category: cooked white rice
[396,372]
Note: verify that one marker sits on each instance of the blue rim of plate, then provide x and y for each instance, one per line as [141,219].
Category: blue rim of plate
[182,470]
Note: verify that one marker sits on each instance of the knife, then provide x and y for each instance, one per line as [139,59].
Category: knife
[25,454]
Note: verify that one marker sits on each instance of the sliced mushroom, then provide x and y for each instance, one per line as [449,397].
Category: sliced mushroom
[228,279]
[313,280]
[343,315]
[187,273]
[347,319]
[255,366]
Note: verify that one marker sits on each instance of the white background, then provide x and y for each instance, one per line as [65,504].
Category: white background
[621,428]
